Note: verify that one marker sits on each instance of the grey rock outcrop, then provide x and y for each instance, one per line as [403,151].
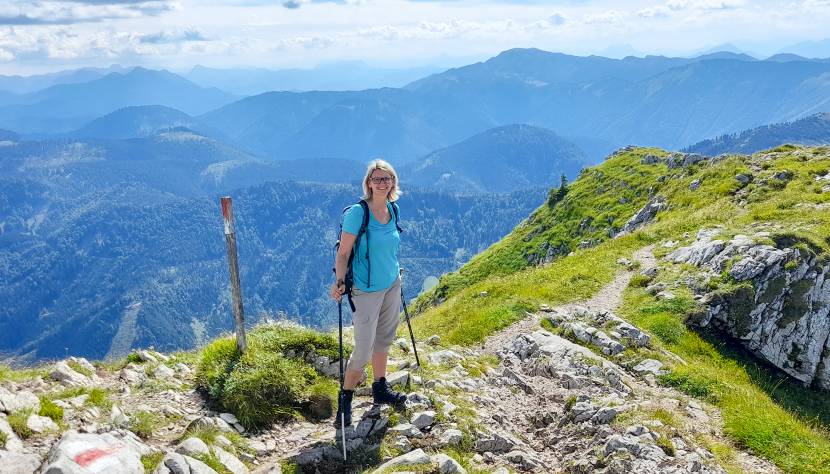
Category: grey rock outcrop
[778,305]
[645,215]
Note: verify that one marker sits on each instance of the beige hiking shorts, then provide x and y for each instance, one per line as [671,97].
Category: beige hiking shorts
[375,320]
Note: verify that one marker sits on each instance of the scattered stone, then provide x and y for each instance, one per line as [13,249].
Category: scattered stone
[118,418]
[193,446]
[406,429]
[132,377]
[65,375]
[423,419]
[40,424]
[229,418]
[401,344]
[495,443]
[22,400]
[230,461]
[444,356]
[650,366]
[145,356]
[744,178]
[412,458]
[604,415]
[447,465]
[451,437]
[403,444]
[694,185]
[400,377]
[163,372]
[433,340]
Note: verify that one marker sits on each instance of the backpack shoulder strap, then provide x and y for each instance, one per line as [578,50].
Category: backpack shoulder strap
[395,210]
[365,224]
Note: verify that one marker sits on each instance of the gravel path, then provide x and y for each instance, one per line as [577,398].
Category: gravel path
[607,299]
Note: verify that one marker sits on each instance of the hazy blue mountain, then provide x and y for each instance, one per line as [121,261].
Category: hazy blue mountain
[810,49]
[538,68]
[341,76]
[812,130]
[8,135]
[65,107]
[503,159]
[25,84]
[389,123]
[599,104]
[140,121]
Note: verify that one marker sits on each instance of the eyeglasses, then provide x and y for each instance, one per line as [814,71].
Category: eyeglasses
[385,180]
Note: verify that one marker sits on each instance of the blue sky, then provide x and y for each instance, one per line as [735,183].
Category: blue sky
[45,35]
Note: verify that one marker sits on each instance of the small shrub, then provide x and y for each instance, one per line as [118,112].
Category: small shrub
[134,358]
[666,445]
[695,385]
[151,461]
[790,265]
[265,387]
[3,438]
[17,421]
[569,403]
[144,423]
[99,397]
[217,361]
[50,410]
[639,281]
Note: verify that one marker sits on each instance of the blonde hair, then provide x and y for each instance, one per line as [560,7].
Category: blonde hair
[394,192]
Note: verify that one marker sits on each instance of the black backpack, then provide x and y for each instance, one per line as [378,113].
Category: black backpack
[348,278]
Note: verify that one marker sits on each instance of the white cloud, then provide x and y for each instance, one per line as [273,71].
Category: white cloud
[64,13]
[609,17]
[704,4]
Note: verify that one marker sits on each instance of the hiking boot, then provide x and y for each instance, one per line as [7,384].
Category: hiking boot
[384,394]
[344,408]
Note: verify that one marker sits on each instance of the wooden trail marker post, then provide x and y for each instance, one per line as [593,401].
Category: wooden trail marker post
[230,239]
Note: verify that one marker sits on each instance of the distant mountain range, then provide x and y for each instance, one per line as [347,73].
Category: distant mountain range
[812,130]
[64,107]
[597,103]
[342,76]
[27,84]
[502,159]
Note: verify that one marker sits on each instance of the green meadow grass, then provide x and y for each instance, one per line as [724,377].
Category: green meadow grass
[762,410]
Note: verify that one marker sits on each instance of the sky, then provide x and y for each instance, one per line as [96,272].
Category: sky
[38,36]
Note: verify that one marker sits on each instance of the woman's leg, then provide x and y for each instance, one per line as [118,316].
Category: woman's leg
[365,318]
[379,364]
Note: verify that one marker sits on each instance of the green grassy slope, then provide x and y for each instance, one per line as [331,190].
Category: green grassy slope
[762,410]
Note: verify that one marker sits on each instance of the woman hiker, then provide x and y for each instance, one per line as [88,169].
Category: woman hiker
[376,292]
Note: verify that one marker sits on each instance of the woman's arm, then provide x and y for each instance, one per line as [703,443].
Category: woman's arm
[341,260]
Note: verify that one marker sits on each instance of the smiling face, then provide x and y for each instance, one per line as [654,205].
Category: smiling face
[387,185]
[381,181]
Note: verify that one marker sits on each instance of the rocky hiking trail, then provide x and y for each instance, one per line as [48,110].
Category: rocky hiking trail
[571,398]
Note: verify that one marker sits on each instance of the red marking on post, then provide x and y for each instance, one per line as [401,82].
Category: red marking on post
[89,456]
[226,207]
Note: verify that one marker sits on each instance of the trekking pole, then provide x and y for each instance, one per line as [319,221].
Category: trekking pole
[340,402]
[406,314]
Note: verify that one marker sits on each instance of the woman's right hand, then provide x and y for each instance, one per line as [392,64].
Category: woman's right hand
[337,291]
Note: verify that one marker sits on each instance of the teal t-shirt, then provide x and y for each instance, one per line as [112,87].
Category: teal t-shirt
[384,240]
